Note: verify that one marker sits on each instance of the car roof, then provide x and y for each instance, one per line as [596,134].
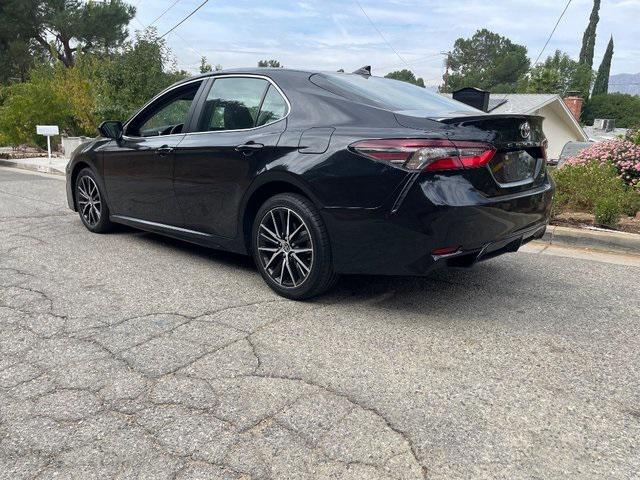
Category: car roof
[273,72]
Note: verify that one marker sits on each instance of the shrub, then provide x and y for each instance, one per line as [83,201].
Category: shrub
[624,108]
[633,135]
[623,154]
[580,186]
[607,212]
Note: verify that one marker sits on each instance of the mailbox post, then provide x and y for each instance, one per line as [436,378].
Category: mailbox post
[48,131]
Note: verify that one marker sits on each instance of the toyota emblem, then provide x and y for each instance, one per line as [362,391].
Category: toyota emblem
[525,130]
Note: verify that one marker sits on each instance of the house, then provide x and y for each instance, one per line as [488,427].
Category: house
[560,125]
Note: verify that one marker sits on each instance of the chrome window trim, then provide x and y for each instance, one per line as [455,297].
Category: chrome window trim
[214,77]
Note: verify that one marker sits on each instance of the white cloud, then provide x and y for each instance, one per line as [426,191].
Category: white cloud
[331,34]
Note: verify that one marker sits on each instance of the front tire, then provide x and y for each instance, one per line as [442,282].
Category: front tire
[90,202]
[291,247]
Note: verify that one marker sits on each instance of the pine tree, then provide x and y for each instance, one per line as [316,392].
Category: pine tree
[602,80]
[589,37]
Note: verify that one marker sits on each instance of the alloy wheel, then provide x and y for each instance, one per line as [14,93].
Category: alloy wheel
[89,202]
[285,247]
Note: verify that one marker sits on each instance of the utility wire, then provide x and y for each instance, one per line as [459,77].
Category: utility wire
[164,12]
[183,20]
[380,33]
[552,32]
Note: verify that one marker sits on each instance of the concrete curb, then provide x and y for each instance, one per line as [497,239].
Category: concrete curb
[621,242]
[30,166]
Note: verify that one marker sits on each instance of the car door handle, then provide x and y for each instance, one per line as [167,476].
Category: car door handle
[164,151]
[249,147]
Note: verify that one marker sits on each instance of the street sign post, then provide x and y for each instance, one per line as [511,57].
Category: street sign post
[48,131]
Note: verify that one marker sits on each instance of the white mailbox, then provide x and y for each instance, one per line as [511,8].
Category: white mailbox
[49,131]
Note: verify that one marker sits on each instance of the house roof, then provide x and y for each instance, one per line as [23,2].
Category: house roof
[598,135]
[520,102]
[529,104]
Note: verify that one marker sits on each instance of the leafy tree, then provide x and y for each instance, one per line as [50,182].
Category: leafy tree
[269,63]
[61,28]
[127,81]
[488,61]
[405,75]
[206,67]
[625,109]
[559,74]
[601,84]
[589,37]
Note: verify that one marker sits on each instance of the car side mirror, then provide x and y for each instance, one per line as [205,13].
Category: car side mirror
[111,129]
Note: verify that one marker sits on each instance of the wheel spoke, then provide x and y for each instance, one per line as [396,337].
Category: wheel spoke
[288,220]
[301,250]
[301,263]
[275,225]
[275,237]
[281,272]
[273,257]
[268,249]
[291,237]
[293,280]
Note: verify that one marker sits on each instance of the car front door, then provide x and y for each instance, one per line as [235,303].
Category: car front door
[239,124]
[138,169]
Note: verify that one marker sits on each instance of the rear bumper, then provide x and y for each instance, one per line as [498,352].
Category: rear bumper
[398,239]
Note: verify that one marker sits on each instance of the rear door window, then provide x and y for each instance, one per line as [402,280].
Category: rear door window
[239,103]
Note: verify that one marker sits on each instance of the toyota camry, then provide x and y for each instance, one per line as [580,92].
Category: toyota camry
[318,174]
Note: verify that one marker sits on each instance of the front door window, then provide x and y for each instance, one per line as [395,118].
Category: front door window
[167,115]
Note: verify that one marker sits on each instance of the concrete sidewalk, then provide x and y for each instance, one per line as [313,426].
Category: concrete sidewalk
[54,166]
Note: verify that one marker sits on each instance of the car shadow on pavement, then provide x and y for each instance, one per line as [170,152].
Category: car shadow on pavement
[235,260]
[440,289]
[454,284]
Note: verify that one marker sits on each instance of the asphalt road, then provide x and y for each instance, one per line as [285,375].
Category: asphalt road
[132,356]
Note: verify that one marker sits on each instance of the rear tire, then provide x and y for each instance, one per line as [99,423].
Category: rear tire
[90,202]
[291,247]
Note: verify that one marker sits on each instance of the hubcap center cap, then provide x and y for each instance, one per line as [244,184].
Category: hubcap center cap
[286,247]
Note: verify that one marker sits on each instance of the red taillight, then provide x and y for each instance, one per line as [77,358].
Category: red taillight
[431,155]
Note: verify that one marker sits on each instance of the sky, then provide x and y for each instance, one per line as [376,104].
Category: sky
[334,34]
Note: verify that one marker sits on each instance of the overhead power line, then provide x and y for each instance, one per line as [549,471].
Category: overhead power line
[380,33]
[164,12]
[552,32]
[184,19]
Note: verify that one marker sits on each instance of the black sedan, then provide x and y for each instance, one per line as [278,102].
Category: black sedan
[318,174]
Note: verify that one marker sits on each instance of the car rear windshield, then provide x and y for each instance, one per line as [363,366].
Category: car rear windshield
[387,93]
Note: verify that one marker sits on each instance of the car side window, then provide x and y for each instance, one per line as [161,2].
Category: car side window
[165,116]
[273,107]
[234,103]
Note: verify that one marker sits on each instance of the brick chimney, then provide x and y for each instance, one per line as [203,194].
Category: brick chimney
[574,103]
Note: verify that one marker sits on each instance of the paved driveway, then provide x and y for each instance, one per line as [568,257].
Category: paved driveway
[133,356]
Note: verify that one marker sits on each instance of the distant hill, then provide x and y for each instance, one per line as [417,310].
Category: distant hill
[625,83]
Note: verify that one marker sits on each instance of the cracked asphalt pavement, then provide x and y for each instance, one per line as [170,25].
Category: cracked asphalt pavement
[132,356]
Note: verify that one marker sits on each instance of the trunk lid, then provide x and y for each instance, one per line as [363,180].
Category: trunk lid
[520,159]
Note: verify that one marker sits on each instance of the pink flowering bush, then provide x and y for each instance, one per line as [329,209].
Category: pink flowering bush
[622,154]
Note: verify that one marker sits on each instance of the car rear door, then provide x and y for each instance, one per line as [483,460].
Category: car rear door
[138,169]
[234,134]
